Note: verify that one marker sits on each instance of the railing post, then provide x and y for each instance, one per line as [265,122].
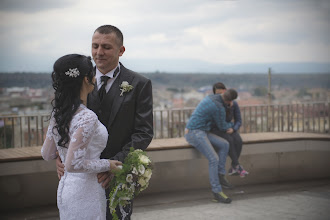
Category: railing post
[12,132]
[29,132]
[288,117]
[37,129]
[155,124]
[278,118]
[273,118]
[297,110]
[328,117]
[21,130]
[244,120]
[324,118]
[4,133]
[168,124]
[180,124]
[313,114]
[161,124]
[303,117]
[319,114]
[250,120]
[172,127]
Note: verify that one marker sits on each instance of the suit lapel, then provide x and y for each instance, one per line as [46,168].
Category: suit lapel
[114,92]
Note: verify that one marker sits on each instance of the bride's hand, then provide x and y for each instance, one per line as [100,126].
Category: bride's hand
[105,177]
[115,164]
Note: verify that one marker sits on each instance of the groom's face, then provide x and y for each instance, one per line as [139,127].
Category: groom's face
[106,51]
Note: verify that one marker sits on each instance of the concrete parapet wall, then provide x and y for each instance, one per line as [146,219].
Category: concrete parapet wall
[267,162]
[269,157]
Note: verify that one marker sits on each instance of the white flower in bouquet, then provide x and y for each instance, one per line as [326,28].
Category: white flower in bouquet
[147,174]
[134,171]
[142,182]
[142,169]
[124,186]
[144,159]
[132,188]
[129,178]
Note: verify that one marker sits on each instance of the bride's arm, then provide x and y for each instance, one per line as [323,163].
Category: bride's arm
[77,159]
[48,150]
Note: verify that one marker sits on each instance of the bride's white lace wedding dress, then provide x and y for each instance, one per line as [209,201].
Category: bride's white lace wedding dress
[79,195]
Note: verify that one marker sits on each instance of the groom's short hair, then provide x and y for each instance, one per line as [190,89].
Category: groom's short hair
[108,29]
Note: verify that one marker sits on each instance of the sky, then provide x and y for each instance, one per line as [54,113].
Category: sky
[188,36]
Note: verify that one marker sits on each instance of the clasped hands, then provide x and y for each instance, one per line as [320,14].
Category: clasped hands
[104,177]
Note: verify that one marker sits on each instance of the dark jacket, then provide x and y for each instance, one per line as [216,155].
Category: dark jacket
[234,112]
[128,118]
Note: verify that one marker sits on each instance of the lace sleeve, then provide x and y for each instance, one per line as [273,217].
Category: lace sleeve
[78,156]
[48,150]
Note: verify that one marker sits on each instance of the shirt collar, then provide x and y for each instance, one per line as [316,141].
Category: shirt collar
[110,73]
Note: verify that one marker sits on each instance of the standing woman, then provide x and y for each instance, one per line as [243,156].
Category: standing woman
[75,132]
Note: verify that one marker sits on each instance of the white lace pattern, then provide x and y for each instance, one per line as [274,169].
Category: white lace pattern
[79,195]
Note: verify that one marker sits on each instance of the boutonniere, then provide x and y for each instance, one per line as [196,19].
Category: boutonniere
[125,87]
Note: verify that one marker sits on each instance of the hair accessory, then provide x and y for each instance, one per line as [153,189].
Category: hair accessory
[72,72]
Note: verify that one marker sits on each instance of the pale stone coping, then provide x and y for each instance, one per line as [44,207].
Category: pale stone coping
[248,138]
[34,153]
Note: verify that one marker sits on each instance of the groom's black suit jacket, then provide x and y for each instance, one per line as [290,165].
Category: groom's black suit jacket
[128,118]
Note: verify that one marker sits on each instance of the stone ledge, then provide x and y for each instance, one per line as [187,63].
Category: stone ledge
[32,183]
[34,153]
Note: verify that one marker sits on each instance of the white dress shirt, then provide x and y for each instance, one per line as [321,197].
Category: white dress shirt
[110,81]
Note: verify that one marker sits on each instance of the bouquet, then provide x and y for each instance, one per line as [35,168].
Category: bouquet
[129,181]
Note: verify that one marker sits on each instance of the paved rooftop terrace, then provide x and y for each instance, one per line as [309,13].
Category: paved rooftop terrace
[290,200]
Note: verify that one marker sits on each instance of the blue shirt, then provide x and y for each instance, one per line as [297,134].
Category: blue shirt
[210,111]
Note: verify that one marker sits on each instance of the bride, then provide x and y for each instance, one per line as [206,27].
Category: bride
[79,138]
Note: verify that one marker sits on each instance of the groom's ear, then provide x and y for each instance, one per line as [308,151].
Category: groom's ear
[121,50]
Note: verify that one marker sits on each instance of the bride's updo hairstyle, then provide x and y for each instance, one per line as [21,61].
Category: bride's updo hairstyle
[68,74]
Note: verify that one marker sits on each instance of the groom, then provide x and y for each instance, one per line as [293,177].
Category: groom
[127,115]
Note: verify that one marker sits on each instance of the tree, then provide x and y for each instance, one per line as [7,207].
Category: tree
[260,91]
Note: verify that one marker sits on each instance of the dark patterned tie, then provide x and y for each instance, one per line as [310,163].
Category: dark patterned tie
[102,90]
[105,79]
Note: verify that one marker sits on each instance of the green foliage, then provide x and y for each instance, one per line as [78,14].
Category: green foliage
[6,134]
[303,92]
[129,181]
[260,91]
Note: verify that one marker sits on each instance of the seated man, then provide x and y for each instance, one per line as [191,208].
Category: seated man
[231,135]
[211,111]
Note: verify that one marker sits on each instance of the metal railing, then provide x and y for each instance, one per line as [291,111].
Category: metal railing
[30,130]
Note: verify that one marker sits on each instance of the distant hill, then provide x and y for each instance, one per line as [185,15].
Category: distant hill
[195,66]
[247,80]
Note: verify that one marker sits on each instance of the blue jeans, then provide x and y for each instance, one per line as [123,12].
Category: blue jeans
[206,143]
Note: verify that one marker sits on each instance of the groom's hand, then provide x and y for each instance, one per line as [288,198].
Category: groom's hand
[105,178]
[59,167]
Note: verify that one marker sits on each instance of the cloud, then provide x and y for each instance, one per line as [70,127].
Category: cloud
[208,31]
[32,6]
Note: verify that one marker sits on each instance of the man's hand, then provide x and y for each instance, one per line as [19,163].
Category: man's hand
[105,178]
[59,167]
[230,131]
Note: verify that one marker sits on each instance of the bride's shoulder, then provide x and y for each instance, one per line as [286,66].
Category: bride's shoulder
[86,115]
